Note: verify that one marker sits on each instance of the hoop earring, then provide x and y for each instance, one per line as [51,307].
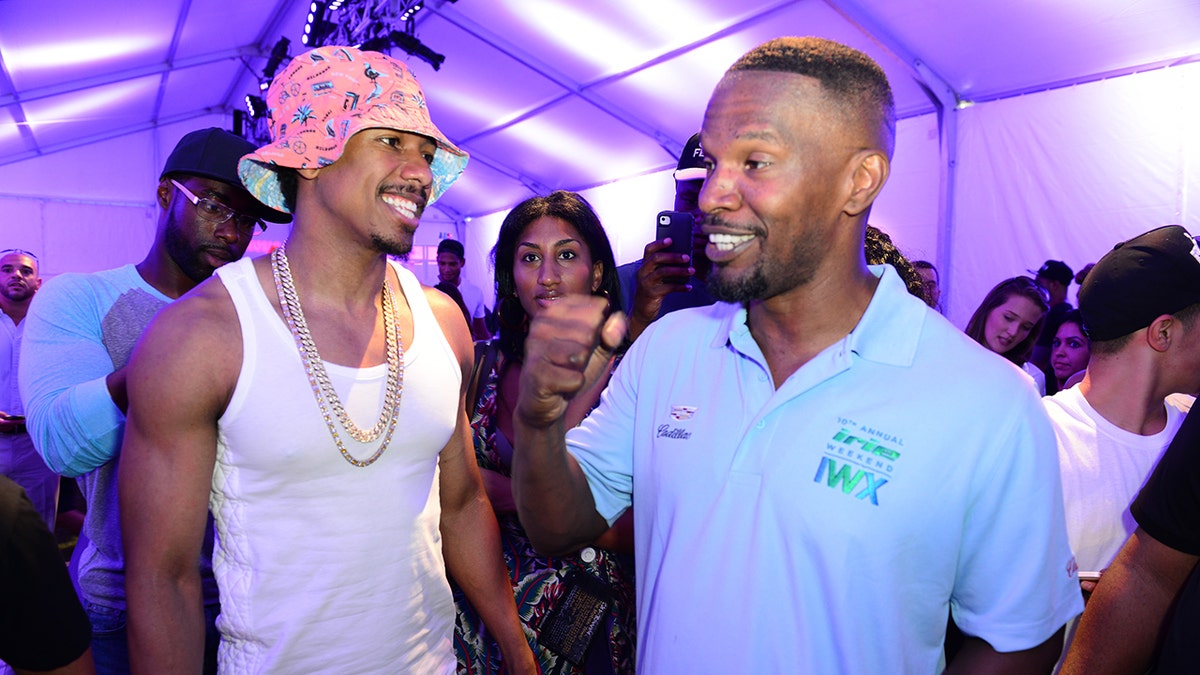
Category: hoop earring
[600,292]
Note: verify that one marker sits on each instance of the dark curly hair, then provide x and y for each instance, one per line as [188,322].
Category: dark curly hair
[572,209]
[880,250]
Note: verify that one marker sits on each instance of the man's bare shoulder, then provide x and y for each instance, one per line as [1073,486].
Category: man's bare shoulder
[196,339]
[205,309]
[441,303]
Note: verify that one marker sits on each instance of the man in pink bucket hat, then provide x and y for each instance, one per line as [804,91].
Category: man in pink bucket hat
[322,420]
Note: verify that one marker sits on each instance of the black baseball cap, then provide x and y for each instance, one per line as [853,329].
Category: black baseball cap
[1055,270]
[691,161]
[1139,280]
[214,153]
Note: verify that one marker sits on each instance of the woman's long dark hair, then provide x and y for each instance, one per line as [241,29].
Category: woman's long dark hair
[572,209]
[1024,287]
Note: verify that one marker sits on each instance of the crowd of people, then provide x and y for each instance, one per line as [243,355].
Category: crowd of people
[310,462]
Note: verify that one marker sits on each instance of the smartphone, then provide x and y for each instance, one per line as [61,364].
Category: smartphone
[1089,576]
[678,226]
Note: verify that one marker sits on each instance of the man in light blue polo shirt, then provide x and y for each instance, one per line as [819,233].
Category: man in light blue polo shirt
[818,485]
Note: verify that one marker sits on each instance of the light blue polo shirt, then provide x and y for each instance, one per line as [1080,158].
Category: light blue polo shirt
[831,524]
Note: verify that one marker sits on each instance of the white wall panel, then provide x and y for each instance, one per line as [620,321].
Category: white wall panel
[1065,174]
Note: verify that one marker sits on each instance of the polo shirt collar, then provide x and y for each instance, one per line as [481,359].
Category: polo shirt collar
[887,333]
[890,329]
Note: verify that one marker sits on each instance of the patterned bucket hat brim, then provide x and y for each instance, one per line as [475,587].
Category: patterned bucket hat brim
[324,97]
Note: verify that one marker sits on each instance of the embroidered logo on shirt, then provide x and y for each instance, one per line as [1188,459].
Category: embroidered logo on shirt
[682,412]
[679,413]
[857,461]
[667,431]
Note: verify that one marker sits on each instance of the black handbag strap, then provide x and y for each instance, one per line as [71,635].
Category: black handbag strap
[485,361]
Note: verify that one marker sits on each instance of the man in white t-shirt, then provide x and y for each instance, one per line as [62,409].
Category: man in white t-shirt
[1140,305]
[450,258]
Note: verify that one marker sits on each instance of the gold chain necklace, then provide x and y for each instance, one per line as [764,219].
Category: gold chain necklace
[322,387]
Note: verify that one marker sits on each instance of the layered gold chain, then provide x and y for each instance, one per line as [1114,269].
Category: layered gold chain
[327,397]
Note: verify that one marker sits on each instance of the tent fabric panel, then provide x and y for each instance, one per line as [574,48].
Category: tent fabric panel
[907,208]
[53,42]
[561,147]
[478,87]
[188,89]
[482,187]
[1050,177]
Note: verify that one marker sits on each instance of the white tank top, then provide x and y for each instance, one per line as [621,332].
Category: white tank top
[324,566]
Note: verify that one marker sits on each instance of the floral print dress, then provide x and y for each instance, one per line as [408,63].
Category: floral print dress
[540,583]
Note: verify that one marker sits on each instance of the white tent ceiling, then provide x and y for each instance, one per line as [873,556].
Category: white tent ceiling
[549,94]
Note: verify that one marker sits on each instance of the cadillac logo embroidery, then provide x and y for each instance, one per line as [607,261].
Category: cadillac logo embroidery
[682,412]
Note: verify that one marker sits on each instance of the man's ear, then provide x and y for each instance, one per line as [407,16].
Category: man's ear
[871,170]
[163,193]
[1162,331]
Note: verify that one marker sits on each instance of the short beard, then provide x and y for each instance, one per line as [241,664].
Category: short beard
[769,276]
[19,296]
[392,248]
[739,290]
[185,257]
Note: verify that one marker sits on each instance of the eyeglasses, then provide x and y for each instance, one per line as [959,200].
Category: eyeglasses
[215,212]
[20,251]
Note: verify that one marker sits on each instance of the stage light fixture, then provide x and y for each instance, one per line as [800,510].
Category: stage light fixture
[255,106]
[278,53]
[412,10]
[376,44]
[315,26]
[415,47]
[373,25]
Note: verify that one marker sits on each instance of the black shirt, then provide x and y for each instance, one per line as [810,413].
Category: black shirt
[42,625]
[1168,509]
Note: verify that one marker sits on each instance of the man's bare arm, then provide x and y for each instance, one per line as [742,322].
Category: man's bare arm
[568,348]
[470,535]
[179,381]
[1124,618]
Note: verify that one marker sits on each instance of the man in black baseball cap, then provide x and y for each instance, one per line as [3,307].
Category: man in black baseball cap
[1140,305]
[1054,272]
[1139,281]
[211,153]
[1054,276]
[652,287]
[79,336]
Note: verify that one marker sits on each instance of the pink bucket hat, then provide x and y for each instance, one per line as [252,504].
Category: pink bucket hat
[324,97]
